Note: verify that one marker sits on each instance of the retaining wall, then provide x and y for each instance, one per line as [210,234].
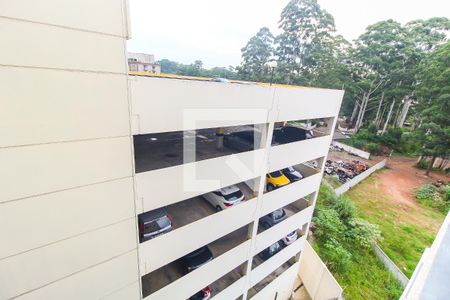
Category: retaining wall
[390,265]
[352,150]
[357,179]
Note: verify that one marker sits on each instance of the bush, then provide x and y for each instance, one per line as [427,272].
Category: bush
[373,148]
[328,225]
[446,193]
[430,196]
[345,209]
[392,137]
[336,256]
[427,192]
[363,232]
[422,164]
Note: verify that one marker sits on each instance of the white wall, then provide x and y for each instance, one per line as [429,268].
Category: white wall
[162,105]
[67,217]
[315,276]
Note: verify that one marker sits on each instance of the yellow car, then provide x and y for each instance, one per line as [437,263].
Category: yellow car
[275,180]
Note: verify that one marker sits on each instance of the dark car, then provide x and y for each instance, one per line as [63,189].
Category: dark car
[204,294]
[153,223]
[289,134]
[292,174]
[240,140]
[273,218]
[271,250]
[197,258]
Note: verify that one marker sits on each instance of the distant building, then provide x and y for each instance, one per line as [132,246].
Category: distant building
[141,62]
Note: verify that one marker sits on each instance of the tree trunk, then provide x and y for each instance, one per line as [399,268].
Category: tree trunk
[388,117]
[430,166]
[397,115]
[379,110]
[362,110]
[404,113]
[355,109]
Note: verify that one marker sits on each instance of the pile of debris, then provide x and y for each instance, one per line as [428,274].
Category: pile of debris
[336,148]
[345,171]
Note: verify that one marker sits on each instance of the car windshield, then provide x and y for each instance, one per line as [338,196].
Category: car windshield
[278,213]
[151,227]
[233,196]
[274,247]
[292,234]
[276,174]
[290,169]
[196,252]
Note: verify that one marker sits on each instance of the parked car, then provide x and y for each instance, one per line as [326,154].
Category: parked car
[153,223]
[275,180]
[292,174]
[271,250]
[289,134]
[219,79]
[204,294]
[290,238]
[273,218]
[197,258]
[240,140]
[225,197]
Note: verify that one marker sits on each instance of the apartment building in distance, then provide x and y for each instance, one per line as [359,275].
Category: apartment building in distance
[89,153]
[141,62]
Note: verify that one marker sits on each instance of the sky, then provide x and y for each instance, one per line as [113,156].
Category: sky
[215,31]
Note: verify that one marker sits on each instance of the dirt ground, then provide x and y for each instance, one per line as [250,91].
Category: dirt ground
[386,199]
[401,178]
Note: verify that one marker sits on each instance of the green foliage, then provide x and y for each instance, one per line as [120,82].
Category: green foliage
[255,56]
[336,226]
[308,50]
[345,209]
[196,69]
[342,241]
[329,226]
[422,164]
[434,104]
[338,258]
[433,197]
[446,193]
[363,232]
[373,148]
[427,192]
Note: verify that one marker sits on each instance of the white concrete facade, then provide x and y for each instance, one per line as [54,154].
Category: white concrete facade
[70,196]
[67,214]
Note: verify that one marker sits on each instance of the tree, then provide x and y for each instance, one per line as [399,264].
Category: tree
[306,41]
[433,92]
[196,69]
[256,54]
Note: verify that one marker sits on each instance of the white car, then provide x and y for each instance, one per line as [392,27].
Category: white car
[225,197]
[290,238]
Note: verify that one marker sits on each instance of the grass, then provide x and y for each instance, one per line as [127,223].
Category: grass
[359,271]
[333,181]
[366,277]
[406,231]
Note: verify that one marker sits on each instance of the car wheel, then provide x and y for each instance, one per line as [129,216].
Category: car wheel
[218,208]
[270,187]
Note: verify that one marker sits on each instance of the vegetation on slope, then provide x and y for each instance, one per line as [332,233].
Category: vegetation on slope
[343,241]
[406,232]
